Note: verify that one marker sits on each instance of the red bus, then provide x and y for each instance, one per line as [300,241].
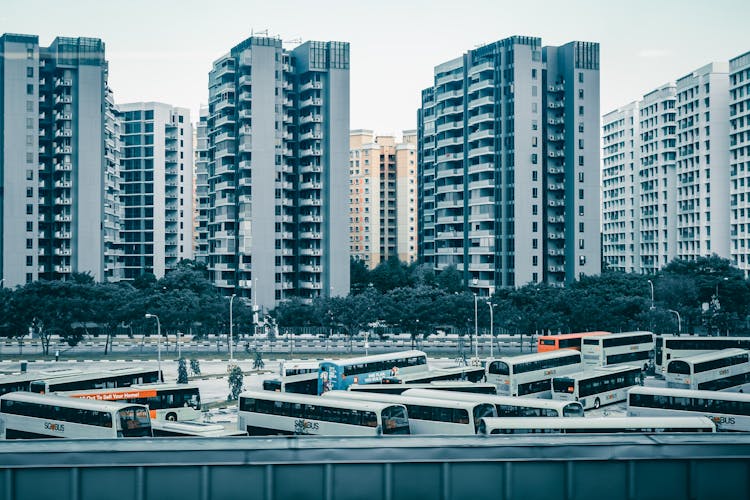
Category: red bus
[564,341]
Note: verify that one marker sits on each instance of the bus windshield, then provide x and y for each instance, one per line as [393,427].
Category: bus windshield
[481,411]
[680,367]
[134,422]
[499,368]
[395,420]
[563,385]
[573,410]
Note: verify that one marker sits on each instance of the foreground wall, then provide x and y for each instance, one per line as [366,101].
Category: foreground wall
[597,467]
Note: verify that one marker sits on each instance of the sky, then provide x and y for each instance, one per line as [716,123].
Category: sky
[162,50]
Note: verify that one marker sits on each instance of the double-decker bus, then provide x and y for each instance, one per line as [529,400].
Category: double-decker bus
[595,425]
[631,348]
[470,373]
[669,347]
[594,388]
[429,416]
[340,374]
[304,383]
[563,341]
[447,385]
[268,413]
[119,377]
[165,401]
[730,411]
[507,406]
[727,369]
[26,415]
[531,374]
[166,428]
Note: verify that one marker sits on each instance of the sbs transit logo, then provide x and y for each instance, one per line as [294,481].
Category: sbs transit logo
[54,427]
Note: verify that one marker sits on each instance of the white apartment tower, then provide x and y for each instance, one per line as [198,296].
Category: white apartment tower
[739,160]
[201,199]
[157,188]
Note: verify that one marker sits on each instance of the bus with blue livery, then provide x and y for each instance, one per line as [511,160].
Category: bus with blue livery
[340,374]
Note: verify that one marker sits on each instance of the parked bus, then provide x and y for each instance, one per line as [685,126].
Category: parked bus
[531,374]
[727,369]
[165,401]
[563,341]
[120,377]
[595,425]
[593,388]
[268,413]
[506,406]
[291,368]
[470,373]
[22,381]
[429,416]
[448,385]
[631,348]
[165,428]
[730,411]
[26,415]
[304,383]
[340,374]
[670,347]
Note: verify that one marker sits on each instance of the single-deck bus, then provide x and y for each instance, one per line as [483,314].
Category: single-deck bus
[563,341]
[447,385]
[22,381]
[507,406]
[631,348]
[165,401]
[727,369]
[429,416]
[531,374]
[730,411]
[304,383]
[120,377]
[593,388]
[670,347]
[290,368]
[595,425]
[340,374]
[26,415]
[165,428]
[470,373]
[268,413]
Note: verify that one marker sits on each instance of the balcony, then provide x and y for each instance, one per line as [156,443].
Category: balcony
[311,118]
[63,252]
[245,80]
[63,132]
[308,202]
[63,82]
[310,235]
[312,84]
[62,269]
[310,152]
[309,185]
[63,99]
[62,184]
[63,116]
[312,252]
[63,150]
[311,101]
[62,218]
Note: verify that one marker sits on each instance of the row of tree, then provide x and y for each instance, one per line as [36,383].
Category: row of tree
[708,295]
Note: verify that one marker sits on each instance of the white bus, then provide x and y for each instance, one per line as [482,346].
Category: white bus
[304,383]
[165,401]
[291,368]
[118,377]
[165,428]
[268,413]
[727,369]
[531,374]
[25,415]
[669,347]
[730,411]
[595,425]
[440,385]
[631,348]
[507,406]
[593,388]
[429,416]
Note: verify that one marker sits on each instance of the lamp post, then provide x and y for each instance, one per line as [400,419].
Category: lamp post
[679,321]
[492,323]
[476,329]
[158,342]
[651,283]
[231,324]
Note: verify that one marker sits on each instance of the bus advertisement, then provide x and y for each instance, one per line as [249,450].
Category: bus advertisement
[563,341]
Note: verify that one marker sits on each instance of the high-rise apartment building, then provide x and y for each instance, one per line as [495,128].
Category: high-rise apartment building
[201,199]
[278,171]
[508,146]
[382,197]
[58,207]
[739,160]
[157,187]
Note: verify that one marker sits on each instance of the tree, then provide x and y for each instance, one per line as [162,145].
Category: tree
[195,367]
[258,363]
[235,383]
[450,280]
[182,374]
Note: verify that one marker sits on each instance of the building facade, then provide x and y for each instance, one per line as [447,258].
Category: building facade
[382,197]
[508,154]
[58,168]
[739,160]
[278,177]
[201,198]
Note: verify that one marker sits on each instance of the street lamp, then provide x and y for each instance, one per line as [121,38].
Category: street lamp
[679,321]
[651,283]
[158,342]
[492,322]
[476,329]
[231,323]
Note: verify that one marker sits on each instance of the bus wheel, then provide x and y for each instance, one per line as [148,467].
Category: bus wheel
[172,417]
[597,404]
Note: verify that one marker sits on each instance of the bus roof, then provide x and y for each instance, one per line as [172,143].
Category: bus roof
[488,398]
[689,393]
[625,334]
[289,397]
[700,337]
[298,378]
[453,370]
[95,375]
[710,356]
[132,388]
[561,353]
[564,336]
[41,375]
[598,372]
[597,422]
[49,399]
[375,357]
[192,428]
[400,399]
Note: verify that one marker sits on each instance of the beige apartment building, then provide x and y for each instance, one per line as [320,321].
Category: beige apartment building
[382,197]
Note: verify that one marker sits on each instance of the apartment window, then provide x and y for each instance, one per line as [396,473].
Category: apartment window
[534,277]
[534,158]
[534,260]
[580,194]
[29,53]
[534,193]
[534,227]
[29,158]
[29,123]
[580,127]
[534,209]
[580,143]
[534,125]
[580,77]
[29,261]
[534,243]
[29,209]
[30,72]
[533,107]
[580,227]
[30,89]
[580,110]
[30,106]
[534,175]
[534,141]
[582,260]
[580,244]
[29,226]
[30,174]
[580,210]
[533,73]
[580,176]
[29,277]
[580,93]
[29,192]
[580,161]
[29,243]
